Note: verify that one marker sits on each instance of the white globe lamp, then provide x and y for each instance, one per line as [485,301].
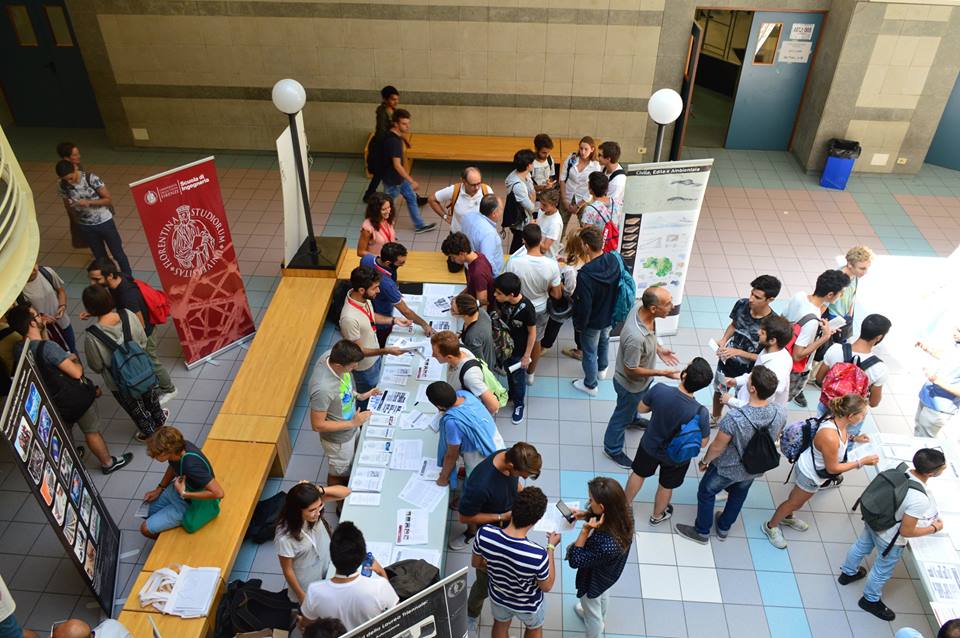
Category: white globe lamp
[289,96]
[664,107]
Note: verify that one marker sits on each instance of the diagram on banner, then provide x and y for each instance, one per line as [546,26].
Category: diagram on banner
[662,259]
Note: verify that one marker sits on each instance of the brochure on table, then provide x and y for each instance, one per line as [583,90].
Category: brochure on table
[396,500]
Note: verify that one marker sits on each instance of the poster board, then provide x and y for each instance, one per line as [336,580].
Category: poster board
[43,450]
[661,208]
[294,221]
[439,611]
[185,224]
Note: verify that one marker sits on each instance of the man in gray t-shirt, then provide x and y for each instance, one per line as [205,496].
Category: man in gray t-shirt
[333,408]
[722,465]
[634,371]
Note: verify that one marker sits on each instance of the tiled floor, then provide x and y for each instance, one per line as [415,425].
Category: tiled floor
[762,215]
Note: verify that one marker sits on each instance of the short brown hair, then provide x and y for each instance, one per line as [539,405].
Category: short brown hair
[166,440]
[400,114]
[446,342]
[524,458]
[551,196]
[859,254]
[466,303]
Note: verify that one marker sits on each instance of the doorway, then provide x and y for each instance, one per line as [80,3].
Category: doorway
[42,73]
[945,146]
[750,76]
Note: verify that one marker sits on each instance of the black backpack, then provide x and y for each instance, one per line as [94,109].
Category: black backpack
[72,397]
[410,577]
[760,453]
[247,607]
[513,214]
[263,525]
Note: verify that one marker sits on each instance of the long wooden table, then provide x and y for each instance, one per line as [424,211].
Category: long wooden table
[422,267]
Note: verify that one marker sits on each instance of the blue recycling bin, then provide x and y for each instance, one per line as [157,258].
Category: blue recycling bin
[841,156]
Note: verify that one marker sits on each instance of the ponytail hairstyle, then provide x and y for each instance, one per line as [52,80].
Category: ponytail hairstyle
[617,514]
[847,405]
[586,139]
[300,497]
[576,252]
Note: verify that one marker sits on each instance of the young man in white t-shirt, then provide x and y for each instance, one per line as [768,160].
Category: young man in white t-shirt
[918,517]
[873,329]
[350,595]
[539,279]
[446,349]
[609,158]
[807,310]
[551,223]
[543,172]
[774,334]
[468,194]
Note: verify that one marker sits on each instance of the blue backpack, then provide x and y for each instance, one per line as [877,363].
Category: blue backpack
[685,443]
[626,294]
[130,365]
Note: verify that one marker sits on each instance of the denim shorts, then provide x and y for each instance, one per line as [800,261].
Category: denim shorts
[167,511]
[530,619]
[10,628]
[806,483]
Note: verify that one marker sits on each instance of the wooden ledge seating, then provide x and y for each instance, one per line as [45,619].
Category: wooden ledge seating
[479,148]
[422,266]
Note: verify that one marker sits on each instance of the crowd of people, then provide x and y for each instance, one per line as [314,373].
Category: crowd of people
[562,266]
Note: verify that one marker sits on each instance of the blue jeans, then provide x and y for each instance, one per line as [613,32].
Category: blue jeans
[883,566]
[410,197]
[103,236]
[594,343]
[516,381]
[712,484]
[623,415]
[366,380]
[71,338]
[167,511]
[10,628]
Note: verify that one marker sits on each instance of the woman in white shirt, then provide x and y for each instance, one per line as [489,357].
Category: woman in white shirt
[570,264]
[820,465]
[573,177]
[303,538]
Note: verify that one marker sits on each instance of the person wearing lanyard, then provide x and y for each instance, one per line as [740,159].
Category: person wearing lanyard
[392,256]
[358,323]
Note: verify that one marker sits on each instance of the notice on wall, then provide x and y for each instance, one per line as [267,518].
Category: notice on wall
[792,52]
[43,450]
[661,206]
[802,31]
[439,611]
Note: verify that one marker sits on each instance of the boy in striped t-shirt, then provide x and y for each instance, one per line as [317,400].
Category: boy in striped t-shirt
[519,570]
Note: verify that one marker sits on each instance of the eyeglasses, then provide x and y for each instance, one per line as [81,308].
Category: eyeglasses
[477,185]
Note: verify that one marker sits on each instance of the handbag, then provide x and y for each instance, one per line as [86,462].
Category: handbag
[199,511]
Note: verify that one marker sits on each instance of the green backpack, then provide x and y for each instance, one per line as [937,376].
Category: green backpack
[489,379]
[883,497]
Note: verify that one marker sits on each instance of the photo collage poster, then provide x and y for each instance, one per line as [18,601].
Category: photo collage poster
[44,451]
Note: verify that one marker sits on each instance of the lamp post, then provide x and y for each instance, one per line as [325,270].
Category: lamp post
[289,97]
[664,108]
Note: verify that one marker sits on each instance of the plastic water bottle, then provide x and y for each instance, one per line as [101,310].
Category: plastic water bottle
[367,568]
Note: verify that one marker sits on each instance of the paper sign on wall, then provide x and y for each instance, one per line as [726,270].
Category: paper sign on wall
[801,31]
[792,52]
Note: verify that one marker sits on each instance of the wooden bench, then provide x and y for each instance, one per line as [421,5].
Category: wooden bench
[422,266]
[241,469]
[479,148]
[138,624]
[280,354]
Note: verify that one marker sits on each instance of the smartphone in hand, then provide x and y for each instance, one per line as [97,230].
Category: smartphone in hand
[565,511]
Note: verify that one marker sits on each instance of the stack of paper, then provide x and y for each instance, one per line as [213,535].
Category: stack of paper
[193,592]
[424,495]
[367,479]
[389,402]
[380,432]
[553,520]
[406,455]
[383,420]
[944,581]
[376,446]
[431,370]
[417,420]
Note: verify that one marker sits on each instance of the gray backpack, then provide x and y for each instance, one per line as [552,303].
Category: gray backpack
[883,497]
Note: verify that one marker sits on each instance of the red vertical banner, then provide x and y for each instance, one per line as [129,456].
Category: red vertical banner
[186,227]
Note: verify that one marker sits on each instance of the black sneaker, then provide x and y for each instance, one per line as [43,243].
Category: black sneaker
[81,451]
[619,458]
[832,482]
[639,423]
[667,513]
[118,462]
[844,579]
[426,228]
[422,201]
[800,400]
[878,609]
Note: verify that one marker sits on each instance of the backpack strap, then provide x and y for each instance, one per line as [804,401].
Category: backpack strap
[102,337]
[847,352]
[806,319]
[616,173]
[6,332]
[869,362]
[125,324]
[571,162]
[455,197]
[893,541]
[468,365]
[48,275]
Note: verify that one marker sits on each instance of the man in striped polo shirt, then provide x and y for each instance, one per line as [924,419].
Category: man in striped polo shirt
[519,570]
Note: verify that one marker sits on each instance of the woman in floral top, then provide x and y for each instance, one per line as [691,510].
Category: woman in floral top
[601,549]
[601,208]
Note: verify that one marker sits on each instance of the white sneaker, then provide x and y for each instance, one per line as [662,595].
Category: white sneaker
[795,523]
[602,374]
[578,384]
[473,629]
[530,379]
[579,609]
[166,397]
[774,535]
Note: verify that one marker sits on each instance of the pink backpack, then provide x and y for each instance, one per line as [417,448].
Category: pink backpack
[847,377]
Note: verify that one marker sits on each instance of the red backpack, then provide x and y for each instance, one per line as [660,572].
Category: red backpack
[610,233]
[847,377]
[157,305]
[801,365]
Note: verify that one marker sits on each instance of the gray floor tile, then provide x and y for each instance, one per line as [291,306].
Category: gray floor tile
[663,618]
[835,528]
[553,612]
[739,586]
[819,591]
[900,595]
[550,453]
[864,625]
[733,553]
[828,623]
[746,621]
[11,502]
[543,431]
[576,457]
[628,585]
[919,622]
[66,579]
[266,560]
[34,573]
[48,544]
[548,481]
[705,619]
[48,609]
[809,557]
[18,538]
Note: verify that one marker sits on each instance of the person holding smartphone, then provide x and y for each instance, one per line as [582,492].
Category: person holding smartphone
[601,549]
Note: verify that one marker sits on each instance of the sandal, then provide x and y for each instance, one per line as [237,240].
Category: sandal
[573,353]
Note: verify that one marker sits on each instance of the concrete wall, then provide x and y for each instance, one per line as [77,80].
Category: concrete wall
[198,73]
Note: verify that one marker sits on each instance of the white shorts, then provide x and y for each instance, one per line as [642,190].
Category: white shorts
[339,455]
